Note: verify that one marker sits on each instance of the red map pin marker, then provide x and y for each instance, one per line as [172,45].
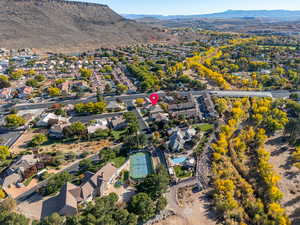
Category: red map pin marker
[154,98]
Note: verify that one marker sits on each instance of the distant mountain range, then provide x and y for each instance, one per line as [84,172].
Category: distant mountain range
[282,15]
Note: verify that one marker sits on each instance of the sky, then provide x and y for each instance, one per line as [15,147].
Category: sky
[188,7]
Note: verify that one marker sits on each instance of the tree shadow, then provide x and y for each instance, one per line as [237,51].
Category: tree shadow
[292,202]
[295,217]
[279,151]
[277,141]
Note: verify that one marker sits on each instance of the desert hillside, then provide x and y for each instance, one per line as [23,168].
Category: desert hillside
[59,24]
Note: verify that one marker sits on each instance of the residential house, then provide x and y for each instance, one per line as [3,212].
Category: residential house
[68,198]
[19,170]
[56,130]
[25,92]
[179,137]
[160,117]
[176,141]
[187,109]
[155,109]
[5,93]
[98,125]
[51,119]
[64,87]
[118,123]
[114,106]
[93,185]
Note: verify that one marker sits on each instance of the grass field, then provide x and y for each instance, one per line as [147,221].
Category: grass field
[204,127]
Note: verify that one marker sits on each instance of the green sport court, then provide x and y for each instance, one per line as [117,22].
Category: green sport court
[140,165]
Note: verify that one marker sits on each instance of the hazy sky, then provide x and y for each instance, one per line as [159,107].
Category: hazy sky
[181,7]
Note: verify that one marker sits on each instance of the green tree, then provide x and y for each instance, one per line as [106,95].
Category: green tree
[155,184]
[161,204]
[40,78]
[16,75]
[76,129]
[4,153]
[55,183]
[32,83]
[121,88]
[143,206]
[4,82]
[14,121]
[54,219]
[38,139]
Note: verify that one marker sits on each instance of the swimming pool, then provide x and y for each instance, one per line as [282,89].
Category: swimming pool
[179,160]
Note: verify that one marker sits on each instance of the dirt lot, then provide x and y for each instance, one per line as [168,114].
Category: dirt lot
[195,211]
[290,176]
[91,146]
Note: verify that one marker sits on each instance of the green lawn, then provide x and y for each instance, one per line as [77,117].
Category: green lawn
[181,172]
[119,161]
[204,127]
[28,180]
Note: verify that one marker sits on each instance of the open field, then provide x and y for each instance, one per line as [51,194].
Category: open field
[290,176]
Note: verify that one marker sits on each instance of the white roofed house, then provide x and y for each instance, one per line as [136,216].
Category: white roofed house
[100,124]
[176,141]
[115,106]
[48,119]
[118,123]
[56,130]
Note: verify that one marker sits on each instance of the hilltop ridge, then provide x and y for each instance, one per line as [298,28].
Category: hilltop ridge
[60,24]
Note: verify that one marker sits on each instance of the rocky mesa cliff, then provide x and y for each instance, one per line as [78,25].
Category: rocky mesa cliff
[61,25]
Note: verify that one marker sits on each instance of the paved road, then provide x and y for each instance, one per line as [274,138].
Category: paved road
[130,97]
[73,167]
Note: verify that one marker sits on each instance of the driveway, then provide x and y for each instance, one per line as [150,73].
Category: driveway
[37,207]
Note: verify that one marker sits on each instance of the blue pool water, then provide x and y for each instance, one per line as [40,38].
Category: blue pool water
[179,160]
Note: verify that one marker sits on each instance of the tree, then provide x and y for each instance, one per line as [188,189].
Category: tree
[143,206]
[4,153]
[86,73]
[161,204]
[54,92]
[32,83]
[155,184]
[16,75]
[38,139]
[4,82]
[140,102]
[78,129]
[121,88]
[54,219]
[40,78]
[14,121]
[2,194]
[11,218]
[55,183]
[293,129]
[132,122]
[8,204]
